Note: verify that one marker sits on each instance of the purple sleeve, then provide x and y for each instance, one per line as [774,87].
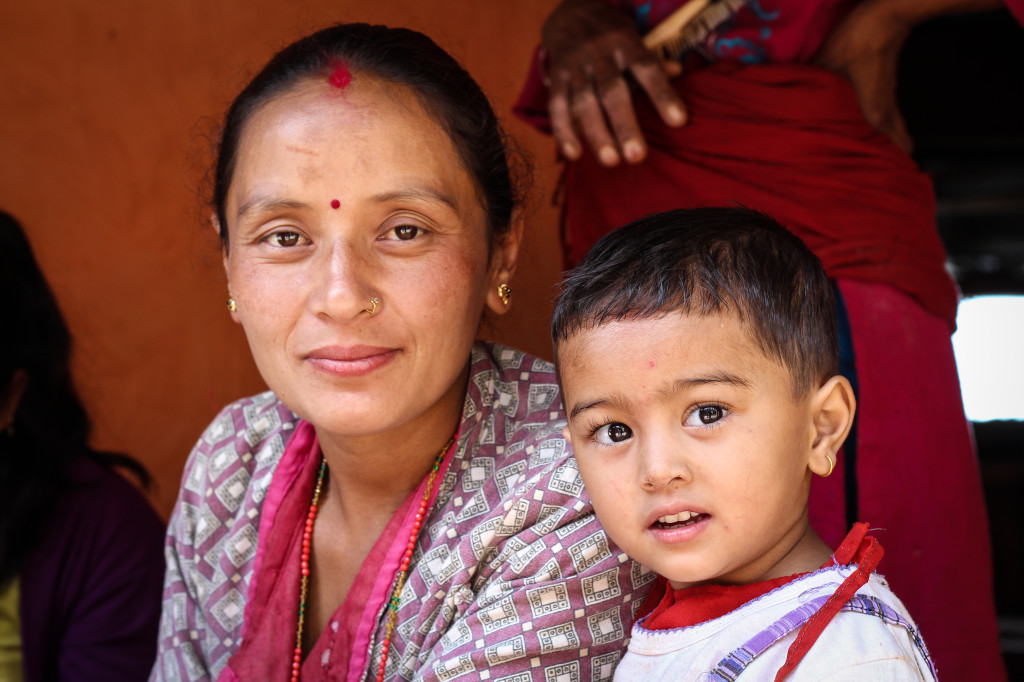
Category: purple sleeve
[90,593]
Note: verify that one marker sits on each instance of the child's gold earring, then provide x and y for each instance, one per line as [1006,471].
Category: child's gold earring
[232,307]
[831,465]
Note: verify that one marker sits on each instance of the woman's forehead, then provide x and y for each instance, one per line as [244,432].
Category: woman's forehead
[368,122]
[361,99]
[371,143]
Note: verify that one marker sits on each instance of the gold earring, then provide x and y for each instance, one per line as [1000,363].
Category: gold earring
[504,292]
[373,306]
[232,307]
[831,465]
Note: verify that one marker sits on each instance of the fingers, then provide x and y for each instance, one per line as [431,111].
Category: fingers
[617,102]
[599,107]
[653,78]
[589,47]
[588,110]
[562,126]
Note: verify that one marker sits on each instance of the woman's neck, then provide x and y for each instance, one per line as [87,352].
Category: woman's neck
[377,471]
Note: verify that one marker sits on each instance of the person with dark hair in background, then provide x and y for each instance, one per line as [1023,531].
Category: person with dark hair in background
[80,554]
[401,504]
[789,107]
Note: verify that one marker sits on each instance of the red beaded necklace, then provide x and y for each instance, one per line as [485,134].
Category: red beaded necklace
[403,568]
[400,576]
[307,541]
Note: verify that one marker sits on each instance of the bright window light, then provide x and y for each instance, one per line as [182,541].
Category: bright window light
[989,347]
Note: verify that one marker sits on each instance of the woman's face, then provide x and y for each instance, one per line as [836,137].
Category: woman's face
[340,196]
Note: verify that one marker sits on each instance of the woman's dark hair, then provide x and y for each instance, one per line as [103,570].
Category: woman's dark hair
[50,427]
[394,55]
[702,261]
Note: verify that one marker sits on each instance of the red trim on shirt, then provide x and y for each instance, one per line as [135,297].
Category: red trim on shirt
[670,608]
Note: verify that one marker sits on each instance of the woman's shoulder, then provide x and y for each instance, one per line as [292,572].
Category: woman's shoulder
[237,453]
[252,432]
[515,383]
[251,420]
[513,411]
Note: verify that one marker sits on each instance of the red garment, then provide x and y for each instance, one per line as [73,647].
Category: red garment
[1017,8]
[701,603]
[776,31]
[789,140]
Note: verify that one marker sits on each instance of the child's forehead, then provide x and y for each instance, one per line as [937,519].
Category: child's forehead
[638,329]
[673,341]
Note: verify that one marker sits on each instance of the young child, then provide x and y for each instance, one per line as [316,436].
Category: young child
[697,355]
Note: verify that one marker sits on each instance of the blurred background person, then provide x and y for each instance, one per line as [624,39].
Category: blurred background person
[81,562]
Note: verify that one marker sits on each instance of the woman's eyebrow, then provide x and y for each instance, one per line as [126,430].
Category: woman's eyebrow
[265,204]
[417,194]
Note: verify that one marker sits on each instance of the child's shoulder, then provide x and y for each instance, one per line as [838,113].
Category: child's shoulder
[872,637]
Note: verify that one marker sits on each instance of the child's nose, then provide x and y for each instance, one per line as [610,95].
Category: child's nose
[663,465]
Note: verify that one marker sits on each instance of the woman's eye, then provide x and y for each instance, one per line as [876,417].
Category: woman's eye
[285,238]
[705,415]
[615,432]
[406,232]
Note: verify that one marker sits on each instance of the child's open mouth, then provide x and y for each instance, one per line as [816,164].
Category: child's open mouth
[680,520]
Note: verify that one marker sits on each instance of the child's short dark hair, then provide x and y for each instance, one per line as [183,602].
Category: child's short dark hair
[710,260]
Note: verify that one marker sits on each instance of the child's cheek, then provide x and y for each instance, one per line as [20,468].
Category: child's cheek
[616,493]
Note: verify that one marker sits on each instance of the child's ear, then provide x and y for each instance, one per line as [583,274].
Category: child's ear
[833,406]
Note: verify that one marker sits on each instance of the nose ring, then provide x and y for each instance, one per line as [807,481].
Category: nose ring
[374,302]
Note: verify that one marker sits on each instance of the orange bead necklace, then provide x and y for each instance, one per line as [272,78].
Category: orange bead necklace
[400,576]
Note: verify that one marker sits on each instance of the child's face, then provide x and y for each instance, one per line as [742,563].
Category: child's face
[692,446]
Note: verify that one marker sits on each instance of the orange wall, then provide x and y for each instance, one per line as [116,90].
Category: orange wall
[106,110]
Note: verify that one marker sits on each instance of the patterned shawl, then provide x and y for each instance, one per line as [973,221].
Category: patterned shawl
[513,578]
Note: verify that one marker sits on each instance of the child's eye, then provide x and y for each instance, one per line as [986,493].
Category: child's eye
[705,415]
[616,432]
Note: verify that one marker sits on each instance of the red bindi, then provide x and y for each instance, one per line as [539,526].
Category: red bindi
[335,203]
[340,75]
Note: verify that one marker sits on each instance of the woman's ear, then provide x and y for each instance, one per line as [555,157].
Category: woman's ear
[833,406]
[504,258]
[231,303]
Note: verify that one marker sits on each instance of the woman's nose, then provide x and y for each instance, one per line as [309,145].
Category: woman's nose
[342,288]
[663,464]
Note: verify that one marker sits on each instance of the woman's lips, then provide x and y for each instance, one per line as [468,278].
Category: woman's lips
[350,361]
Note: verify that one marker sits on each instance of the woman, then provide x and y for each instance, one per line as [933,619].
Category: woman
[80,556]
[824,151]
[401,504]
